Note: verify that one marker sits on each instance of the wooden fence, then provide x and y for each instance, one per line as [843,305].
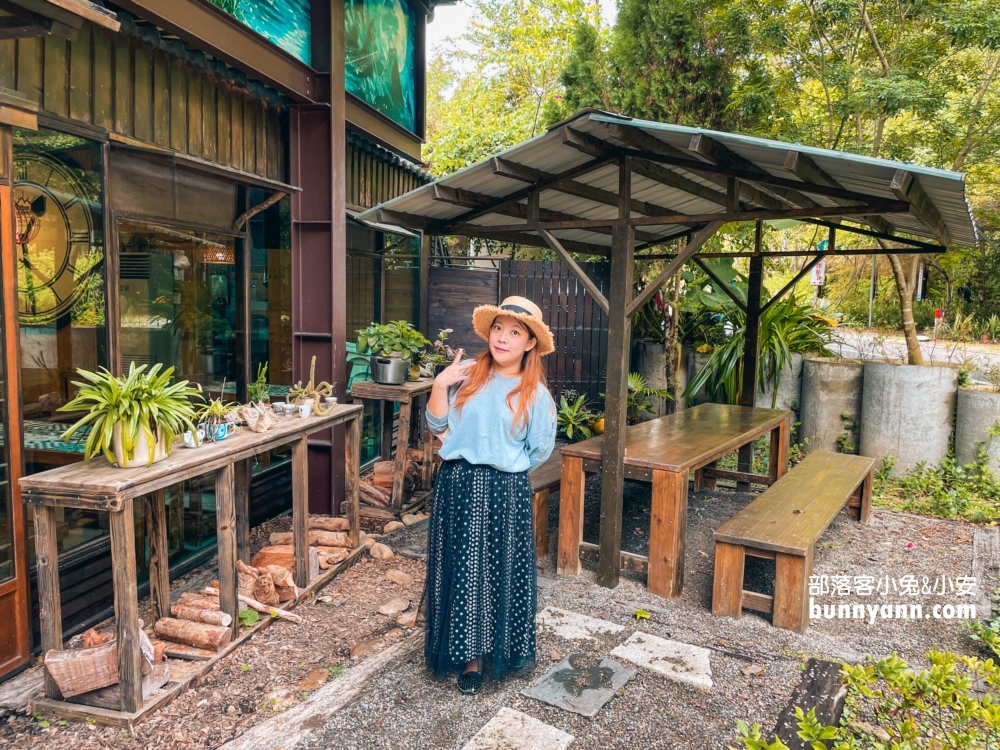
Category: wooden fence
[579,325]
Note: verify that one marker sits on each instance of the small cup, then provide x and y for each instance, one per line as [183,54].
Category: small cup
[305,410]
[330,401]
[193,440]
[290,409]
[279,407]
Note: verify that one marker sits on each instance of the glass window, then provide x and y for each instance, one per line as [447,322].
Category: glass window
[178,304]
[59,237]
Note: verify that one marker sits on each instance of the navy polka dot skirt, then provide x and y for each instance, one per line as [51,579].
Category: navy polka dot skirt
[481,586]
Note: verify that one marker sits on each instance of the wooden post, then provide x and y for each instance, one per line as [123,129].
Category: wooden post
[748,393]
[540,513]
[49,604]
[352,467]
[791,601]
[616,400]
[126,606]
[571,491]
[243,471]
[159,554]
[778,459]
[402,443]
[667,533]
[727,586]
[425,277]
[300,511]
[387,408]
[225,517]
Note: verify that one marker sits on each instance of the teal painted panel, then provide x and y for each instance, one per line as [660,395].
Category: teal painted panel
[285,23]
[380,40]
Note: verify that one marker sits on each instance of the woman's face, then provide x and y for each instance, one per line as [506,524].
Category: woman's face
[509,340]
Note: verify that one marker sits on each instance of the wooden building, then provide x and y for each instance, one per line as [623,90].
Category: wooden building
[178,185]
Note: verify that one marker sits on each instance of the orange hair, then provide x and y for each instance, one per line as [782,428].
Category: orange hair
[532,373]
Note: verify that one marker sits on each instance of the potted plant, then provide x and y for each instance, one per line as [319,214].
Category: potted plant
[259,391]
[135,418]
[214,418]
[392,346]
[573,417]
[440,355]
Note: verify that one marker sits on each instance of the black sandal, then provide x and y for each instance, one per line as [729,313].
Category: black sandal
[470,683]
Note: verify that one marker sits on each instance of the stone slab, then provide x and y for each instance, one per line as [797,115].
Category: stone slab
[674,660]
[580,684]
[513,730]
[576,627]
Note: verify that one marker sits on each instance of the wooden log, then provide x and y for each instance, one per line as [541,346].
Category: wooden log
[159,649]
[111,697]
[197,634]
[196,614]
[198,601]
[332,557]
[284,585]
[372,495]
[84,669]
[260,607]
[317,538]
[284,556]
[329,524]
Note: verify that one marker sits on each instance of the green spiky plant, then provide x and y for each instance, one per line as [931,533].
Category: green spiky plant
[786,327]
[140,401]
[260,390]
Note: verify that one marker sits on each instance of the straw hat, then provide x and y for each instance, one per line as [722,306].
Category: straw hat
[525,311]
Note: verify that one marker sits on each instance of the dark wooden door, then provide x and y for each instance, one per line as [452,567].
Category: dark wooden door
[15,641]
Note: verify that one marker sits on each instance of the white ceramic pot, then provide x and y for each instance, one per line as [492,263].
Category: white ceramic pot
[140,457]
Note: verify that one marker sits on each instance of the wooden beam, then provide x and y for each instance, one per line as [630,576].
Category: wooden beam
[580,274]
[400,219]
[916,245]
[884,206]
[906,187]
[721,284]
[616,399]
[713,151]
[673,266]
[791,284]
[505,168]
[748,394]
[533,240]
[665,176]
[809,171]
[643,141]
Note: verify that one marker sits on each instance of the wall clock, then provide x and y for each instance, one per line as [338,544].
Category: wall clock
[54,235]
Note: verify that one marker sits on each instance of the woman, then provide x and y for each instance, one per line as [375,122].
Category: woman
[501,423]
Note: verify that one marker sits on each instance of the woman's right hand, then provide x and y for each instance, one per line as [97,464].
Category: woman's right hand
[455,373]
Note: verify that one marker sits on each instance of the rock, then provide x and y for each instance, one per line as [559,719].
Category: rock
[362,536]
[752,670]
[393,526]
[398,576]
[314,679]
[407,619]
[394,606]
[324,599]
[365,648]
[423,516]
[231,710]
[367,542]
[409,519]
[279,699]
[380,551]
[393,634]
[555,655]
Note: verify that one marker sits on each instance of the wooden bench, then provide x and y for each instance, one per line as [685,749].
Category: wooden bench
[543,479]
[783,525]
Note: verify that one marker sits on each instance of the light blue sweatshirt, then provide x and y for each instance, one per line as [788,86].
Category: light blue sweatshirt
[481,432]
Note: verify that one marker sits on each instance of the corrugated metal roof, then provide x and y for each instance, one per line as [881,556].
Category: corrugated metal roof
[698,192]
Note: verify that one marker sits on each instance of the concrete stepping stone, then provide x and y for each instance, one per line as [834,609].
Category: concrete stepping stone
[674,660]
[575,627]
[580,684]
[513,730]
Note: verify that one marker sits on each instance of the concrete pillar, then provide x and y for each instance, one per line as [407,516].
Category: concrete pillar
[831,403]
[908,412]
[978,411]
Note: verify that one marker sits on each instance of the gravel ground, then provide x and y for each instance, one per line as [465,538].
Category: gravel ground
[654,712]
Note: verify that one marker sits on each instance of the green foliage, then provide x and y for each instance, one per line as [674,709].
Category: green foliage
[140,401]
[988,633]
[337,671]
[970,493]
[260,390]
[890,706]
[573,417]
[385,338]
[846,442]
[787,327]
[215,411]
[248,618]
[640,397]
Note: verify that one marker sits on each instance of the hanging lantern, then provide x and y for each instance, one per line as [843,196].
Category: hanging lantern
[27,221]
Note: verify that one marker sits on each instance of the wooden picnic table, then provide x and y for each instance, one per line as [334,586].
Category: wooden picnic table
[97,485]
[664,451]
[406,394]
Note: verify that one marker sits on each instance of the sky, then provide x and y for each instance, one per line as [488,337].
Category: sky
[450,21]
